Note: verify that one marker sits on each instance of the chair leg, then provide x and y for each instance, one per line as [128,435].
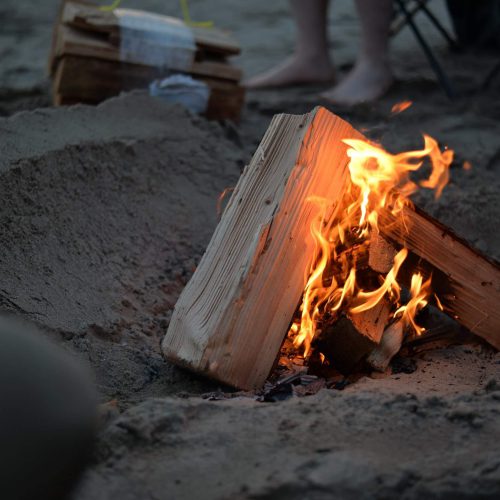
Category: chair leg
[437,24]
[438,70]
[400,22]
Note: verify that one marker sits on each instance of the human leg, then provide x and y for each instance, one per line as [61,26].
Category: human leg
[372,74]
[310,62]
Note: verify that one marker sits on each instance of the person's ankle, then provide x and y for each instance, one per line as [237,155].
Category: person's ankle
[314,57]
[379,64]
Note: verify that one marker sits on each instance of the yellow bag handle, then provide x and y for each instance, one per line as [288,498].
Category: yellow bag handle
[110,8]
[184,8]
[189,21]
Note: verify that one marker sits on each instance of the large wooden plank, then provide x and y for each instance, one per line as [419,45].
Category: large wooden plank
[76,43]
[466,282]
[231,318]
[216,40]
[94,79]
[86,17]
[91,80]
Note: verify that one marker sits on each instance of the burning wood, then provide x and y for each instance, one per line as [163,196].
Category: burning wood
[348,341]
[381,254]
[323,214]
[390,345]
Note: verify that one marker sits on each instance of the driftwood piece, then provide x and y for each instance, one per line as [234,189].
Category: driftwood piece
[231,318]
[466,282]
[348,341]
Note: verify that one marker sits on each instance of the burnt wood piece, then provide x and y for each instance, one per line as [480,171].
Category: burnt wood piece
[339,267]
[381,253]
[233,315]
[466,282]
[347,342]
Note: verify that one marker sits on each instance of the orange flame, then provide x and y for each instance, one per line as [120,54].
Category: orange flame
[379,181]
[420,292]
[399,107]
[221,198]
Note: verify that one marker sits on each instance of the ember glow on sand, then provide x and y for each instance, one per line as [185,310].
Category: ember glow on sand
[379,182]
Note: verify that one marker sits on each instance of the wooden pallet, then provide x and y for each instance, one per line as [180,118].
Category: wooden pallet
[84,17]
[87,65]
[91,80]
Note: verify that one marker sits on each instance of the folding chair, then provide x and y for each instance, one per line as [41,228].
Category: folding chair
[405,13]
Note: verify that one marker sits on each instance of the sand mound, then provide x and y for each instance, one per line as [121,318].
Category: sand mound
[105,213]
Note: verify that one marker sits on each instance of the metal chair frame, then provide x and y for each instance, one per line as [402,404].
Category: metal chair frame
[405,16]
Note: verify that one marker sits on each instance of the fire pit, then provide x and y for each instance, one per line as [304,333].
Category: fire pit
[322,218]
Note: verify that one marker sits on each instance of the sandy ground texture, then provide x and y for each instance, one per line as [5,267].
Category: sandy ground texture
[106,212]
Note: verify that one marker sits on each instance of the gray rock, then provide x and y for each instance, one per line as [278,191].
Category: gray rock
[47,416]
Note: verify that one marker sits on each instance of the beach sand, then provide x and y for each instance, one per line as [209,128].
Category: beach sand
[107,210]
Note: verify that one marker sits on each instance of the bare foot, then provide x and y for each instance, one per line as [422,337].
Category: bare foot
[366,82]
[295,70]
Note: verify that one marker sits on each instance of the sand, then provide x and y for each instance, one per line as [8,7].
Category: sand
[106,212]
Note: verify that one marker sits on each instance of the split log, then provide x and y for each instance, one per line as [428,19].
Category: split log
[347,342]
[381,254]
[233,315]
[466,282]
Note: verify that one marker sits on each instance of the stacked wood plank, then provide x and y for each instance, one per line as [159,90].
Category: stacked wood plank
[234,314]
[87,65]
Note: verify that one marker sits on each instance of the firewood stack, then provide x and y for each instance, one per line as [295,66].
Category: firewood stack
[269,248]
[98,54]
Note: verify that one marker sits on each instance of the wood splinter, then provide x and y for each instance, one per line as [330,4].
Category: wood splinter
[231,318]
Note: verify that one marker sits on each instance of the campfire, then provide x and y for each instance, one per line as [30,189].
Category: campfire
[352,280]
[321,245]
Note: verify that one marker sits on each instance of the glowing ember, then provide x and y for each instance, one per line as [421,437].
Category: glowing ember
[221,199]
[379,182]
[399,107]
